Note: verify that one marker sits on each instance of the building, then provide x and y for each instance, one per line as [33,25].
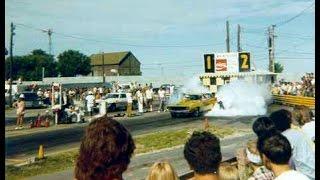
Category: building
[115,63]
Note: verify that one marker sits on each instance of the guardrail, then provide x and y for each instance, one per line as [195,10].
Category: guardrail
[190,174]
[294,100]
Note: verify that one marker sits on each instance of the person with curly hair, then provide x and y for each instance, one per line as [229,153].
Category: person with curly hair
[203,154]
[105,151]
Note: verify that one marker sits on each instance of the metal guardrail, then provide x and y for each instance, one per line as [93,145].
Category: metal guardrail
[190,174]
[294,100]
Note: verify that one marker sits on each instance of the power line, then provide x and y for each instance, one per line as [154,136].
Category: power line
[294,17]
[117,43]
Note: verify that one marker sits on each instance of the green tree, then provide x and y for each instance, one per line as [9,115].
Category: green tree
[29,67]
[72,63]
[278,68]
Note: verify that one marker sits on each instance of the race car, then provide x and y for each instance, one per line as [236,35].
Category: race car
[192,104]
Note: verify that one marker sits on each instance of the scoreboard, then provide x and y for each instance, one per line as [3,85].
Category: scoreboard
[232,62]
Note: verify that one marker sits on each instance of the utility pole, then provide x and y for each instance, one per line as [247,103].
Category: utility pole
[271,47]
[12,27]
[49,32]
[42,74]
[103,74]
[228,37]
[238,39]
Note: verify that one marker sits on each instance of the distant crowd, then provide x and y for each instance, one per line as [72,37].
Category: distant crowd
[305,87]
[283,149]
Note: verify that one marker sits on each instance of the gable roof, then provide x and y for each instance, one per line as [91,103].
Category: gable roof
[113,58]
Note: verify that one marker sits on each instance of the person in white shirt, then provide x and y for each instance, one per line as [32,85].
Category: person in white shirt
[129,104]
[276,152]
[140,101]
[303,155]
[304,117]
[149,97]
[162,99]
[90,102]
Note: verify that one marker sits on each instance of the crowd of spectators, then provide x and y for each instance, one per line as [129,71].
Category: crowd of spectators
[281,150]
[305,87]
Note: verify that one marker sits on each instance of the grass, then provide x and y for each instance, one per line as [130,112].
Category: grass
[144,143]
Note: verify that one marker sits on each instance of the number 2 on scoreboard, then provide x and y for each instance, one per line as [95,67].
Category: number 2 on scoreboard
[244,64]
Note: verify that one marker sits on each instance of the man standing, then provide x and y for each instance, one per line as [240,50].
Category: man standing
[140,101]
[21,106]
[129,104]
[162,99]
[149,96]
[90,102]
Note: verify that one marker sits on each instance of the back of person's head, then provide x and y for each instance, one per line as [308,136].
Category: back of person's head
[282,119]
[162,170]
[275,148]
[302,114]
[263,126]
[202,152]
[228,171]
[105,150]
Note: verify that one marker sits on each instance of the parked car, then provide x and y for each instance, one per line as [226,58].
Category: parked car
[117,101]
[32,100]
[192,104]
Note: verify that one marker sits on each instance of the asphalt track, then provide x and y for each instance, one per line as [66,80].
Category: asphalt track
[24,146]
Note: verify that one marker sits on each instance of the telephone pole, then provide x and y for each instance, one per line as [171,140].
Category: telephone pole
[49,32]
[103,73]
[238,39]
[12,27]
[228,37]
[271,47]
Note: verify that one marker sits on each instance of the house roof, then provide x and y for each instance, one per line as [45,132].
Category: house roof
[112,58]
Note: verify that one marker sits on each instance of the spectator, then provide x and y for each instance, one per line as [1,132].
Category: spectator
[263,126]
[21,107]
[276,152]
[139,97]
[129,104]
[303,116]
[149,96]
[228,171]
[303,156]
[90,102]
[162,171]
[162,99]
[105,151]
[203,154]
[256,169]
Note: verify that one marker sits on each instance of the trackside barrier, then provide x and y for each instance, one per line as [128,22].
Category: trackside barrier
[190,174]
[294,100]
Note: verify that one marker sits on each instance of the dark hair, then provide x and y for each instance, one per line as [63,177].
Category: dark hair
[202,152]
[276,148]
[263,126]
[105,150]
[282,119]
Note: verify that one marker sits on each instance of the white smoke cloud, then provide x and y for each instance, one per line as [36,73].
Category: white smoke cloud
[191,86]
[241,98]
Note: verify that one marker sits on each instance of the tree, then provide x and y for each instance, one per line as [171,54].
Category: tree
[72,63]
[29,67]
[278,68]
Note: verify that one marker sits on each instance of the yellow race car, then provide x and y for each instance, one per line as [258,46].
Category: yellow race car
[192,104]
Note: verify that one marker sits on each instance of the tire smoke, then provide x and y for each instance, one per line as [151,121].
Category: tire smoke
[241,98]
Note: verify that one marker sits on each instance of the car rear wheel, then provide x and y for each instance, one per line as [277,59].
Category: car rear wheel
[196,113]
[173,115]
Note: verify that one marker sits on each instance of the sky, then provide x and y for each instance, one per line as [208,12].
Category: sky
[167,36]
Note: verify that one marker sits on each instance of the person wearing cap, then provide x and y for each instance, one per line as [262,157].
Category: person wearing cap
[21,106]
[90,102]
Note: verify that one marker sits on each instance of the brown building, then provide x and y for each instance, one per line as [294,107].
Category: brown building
[125,63]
